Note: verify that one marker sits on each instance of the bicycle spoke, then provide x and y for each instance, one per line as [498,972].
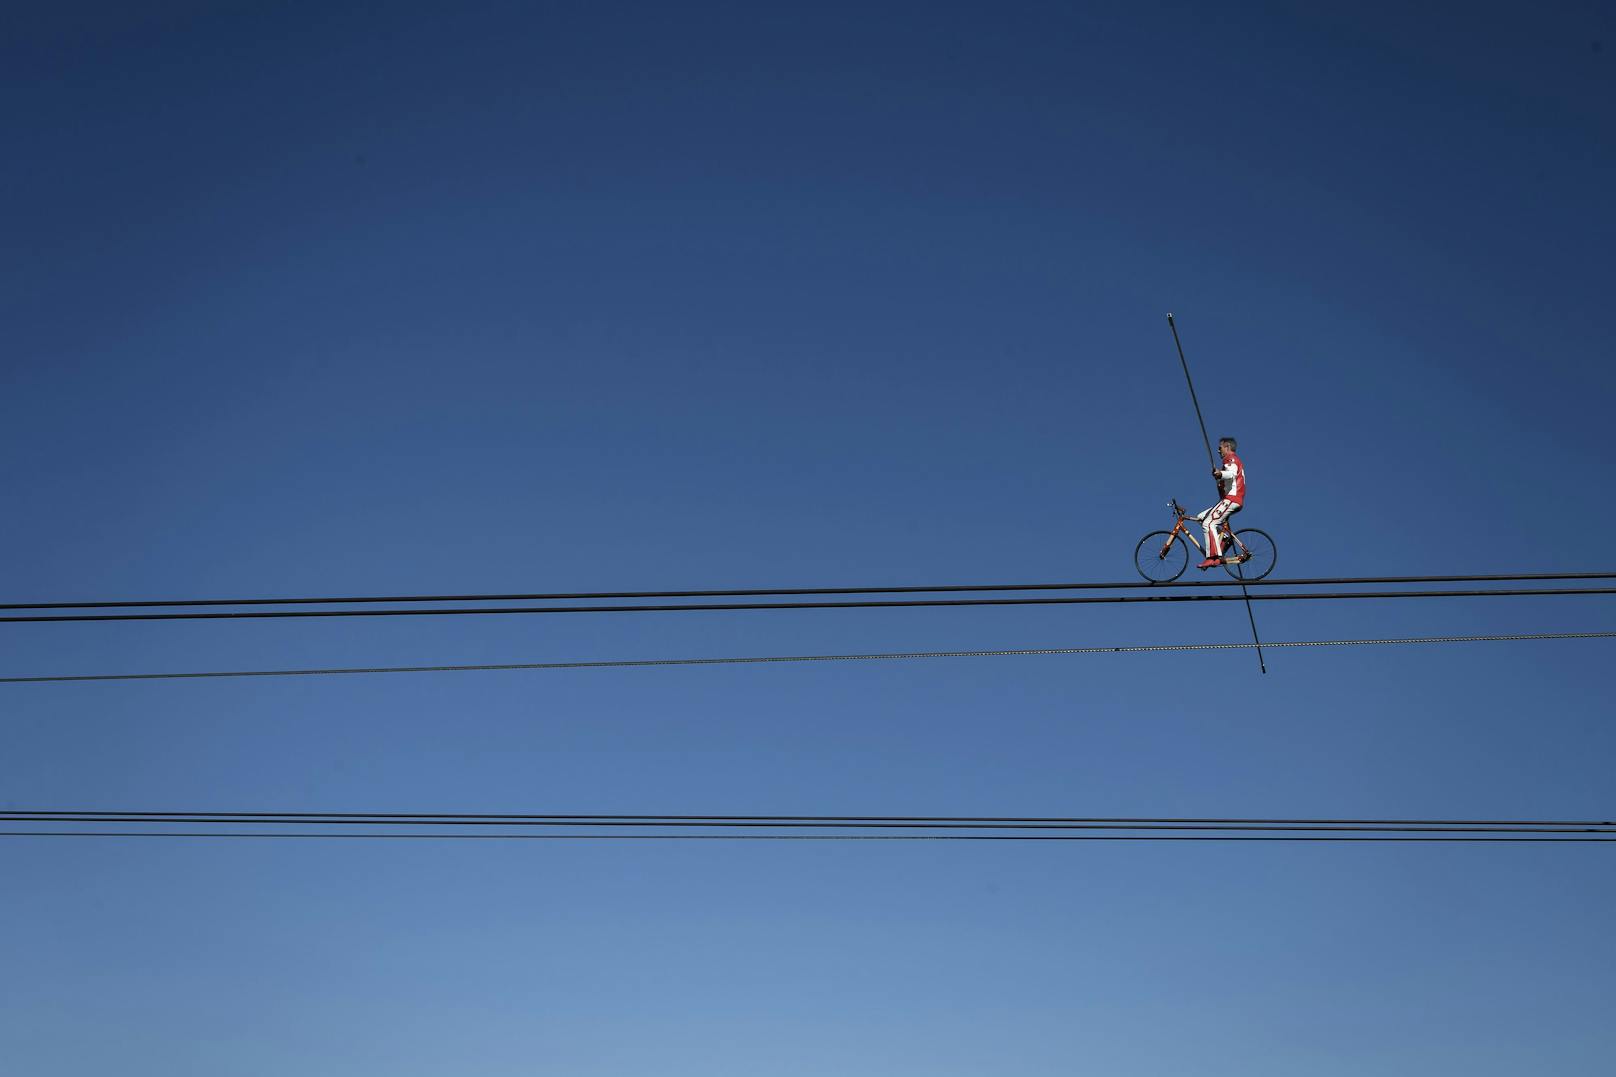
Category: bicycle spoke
[1253,555]
[1160,557]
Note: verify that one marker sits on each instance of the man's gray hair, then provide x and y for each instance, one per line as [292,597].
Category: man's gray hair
[1229,442]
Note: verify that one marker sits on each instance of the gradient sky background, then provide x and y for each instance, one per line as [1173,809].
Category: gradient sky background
[370,299]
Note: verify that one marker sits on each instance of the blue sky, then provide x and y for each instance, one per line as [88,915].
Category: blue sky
[332,299]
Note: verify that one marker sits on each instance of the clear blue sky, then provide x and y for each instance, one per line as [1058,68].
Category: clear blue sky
[343,298]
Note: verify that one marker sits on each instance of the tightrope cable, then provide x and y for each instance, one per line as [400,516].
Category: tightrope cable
[715,607]
[758,592]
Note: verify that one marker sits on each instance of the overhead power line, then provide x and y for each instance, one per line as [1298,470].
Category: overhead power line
[812,822]
[885,603]
[766,659]
[487,826]
[594,818]
[758,592]
[1415,839]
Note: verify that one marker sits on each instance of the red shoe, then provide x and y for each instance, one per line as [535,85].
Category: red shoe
[1210,562]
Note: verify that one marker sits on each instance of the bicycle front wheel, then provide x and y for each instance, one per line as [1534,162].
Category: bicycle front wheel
[1253,557]
[1159,558]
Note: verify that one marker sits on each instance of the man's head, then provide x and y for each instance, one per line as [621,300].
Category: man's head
[1226,446]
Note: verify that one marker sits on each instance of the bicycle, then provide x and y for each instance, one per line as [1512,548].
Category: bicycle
[1161,558]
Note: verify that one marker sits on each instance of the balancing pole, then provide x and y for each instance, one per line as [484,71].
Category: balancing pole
[1213,461]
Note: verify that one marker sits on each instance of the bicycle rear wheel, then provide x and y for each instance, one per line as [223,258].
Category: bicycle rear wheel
[1256,555]
[1159,558]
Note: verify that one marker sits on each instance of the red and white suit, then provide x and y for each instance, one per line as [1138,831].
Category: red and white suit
[1232,480]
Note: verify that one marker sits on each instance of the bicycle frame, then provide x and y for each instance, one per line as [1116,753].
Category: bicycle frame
[1179,516]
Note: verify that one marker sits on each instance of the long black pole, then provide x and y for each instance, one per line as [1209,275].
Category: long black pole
[1210,459]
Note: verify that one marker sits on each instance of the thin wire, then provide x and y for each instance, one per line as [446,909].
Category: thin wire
[731,606]
[303,819]
[500,818]
[793,837]
[764,659]
[578,596]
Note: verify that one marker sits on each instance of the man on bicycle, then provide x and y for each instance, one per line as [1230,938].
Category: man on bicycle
[1232,484]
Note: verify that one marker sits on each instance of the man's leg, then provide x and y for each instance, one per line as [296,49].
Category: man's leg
[1211,521]
[1226,528]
